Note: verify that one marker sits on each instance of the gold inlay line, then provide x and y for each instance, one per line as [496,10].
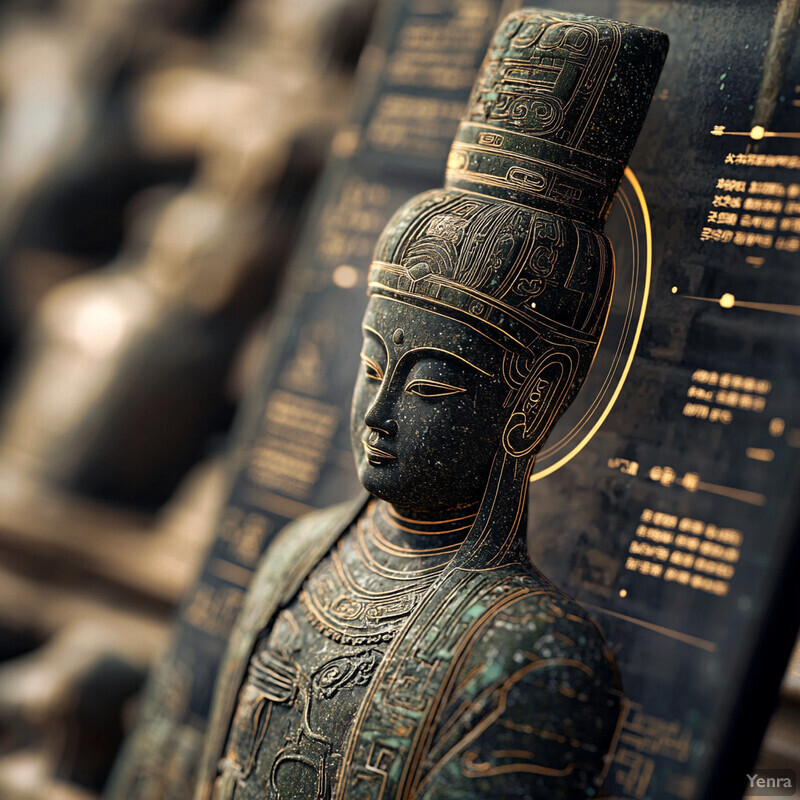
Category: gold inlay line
[629,174]
[694,641]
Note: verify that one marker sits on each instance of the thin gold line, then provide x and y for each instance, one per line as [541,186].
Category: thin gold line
[375,532]
[754,498]
[775,308]
[417,532]
[601,392]
[447,353]
[533,138]
[364,594]
[422,737]
[385,546]
[648,267]
[380,338]
[459,145]
[388,509]
[400,296]
[531,319]
[695,641]
[765,135]
[503,183]
[612,750]
[526,206]
[423,574]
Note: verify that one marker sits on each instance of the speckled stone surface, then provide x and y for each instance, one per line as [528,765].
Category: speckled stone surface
[488,299]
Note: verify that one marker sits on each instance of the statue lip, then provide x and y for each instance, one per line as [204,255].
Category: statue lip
[375,456]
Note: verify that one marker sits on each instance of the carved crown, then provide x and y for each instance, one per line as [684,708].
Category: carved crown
[556,110]
[511,271]
[513,244]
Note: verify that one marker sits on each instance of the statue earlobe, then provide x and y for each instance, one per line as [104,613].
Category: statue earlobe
[540,402]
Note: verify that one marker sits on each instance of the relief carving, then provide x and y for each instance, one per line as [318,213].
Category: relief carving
[405,647]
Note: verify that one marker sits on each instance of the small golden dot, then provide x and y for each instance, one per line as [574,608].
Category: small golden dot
[674,290]
[727,300]
[623,592]
[757,132]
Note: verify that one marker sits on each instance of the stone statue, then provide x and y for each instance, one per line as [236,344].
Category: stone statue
[404,646]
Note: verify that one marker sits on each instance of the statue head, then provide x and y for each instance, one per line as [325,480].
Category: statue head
[482,323]
[488,298]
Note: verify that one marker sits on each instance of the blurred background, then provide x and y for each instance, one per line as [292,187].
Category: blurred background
[155,161]
[146,215]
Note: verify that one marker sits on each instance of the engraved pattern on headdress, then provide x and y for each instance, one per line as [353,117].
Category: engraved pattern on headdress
[547,78]
[496,260]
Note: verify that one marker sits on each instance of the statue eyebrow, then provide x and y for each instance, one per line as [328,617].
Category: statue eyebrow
[439,352]
[378,337]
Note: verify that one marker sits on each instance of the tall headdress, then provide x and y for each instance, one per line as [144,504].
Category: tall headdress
[514,241]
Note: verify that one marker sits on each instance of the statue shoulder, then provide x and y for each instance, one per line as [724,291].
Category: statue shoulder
[543,621]
[290,557]
[308,525]
[309,531]
[535,702]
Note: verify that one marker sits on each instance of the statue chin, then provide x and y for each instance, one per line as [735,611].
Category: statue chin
[382,482]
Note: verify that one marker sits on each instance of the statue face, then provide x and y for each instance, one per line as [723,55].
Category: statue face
[428,413]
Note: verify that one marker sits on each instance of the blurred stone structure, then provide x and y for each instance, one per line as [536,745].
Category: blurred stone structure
[127,372]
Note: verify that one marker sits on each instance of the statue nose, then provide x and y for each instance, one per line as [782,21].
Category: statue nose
[387,427]
[380,415]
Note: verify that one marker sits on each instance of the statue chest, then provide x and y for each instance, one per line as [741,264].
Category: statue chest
[311,667]
[294,711]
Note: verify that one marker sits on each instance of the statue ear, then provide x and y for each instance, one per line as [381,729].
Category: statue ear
[539,403]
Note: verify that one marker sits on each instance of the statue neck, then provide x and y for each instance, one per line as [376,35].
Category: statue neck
[385,545]
[421,533]
[423,522]
[497,536]
[484,535]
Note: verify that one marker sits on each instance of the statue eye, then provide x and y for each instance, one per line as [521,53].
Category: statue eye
[372,368]
[432,388]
